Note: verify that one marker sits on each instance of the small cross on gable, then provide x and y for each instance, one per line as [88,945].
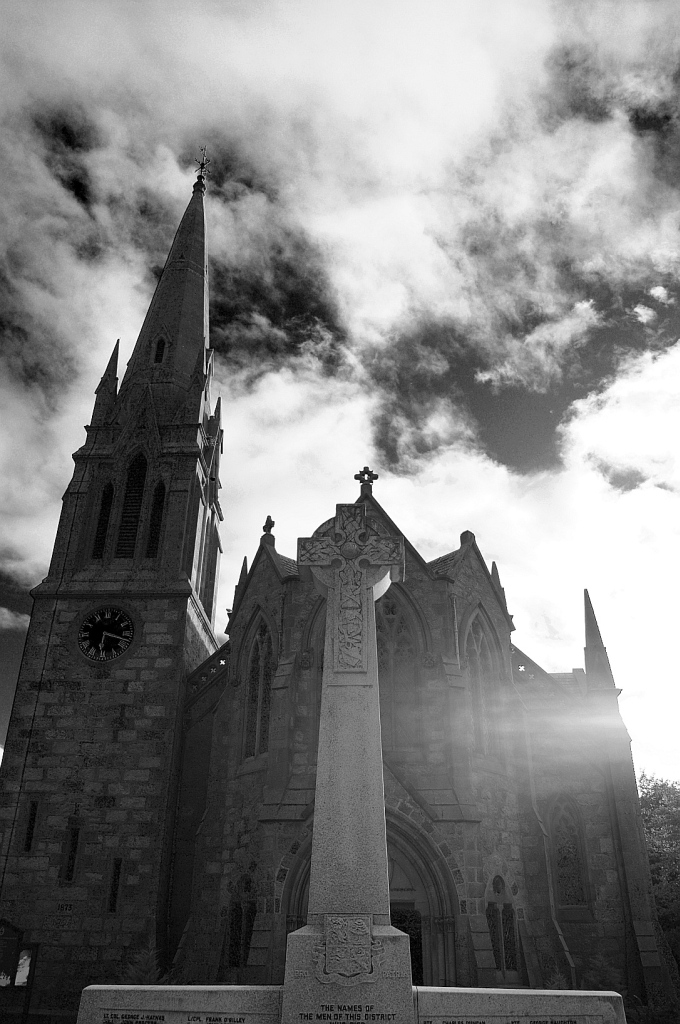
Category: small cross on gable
[366,478]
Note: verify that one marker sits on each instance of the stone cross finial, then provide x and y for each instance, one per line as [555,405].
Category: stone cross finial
[366,477]
[269,525]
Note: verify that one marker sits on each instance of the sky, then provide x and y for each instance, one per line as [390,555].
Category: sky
[444,242]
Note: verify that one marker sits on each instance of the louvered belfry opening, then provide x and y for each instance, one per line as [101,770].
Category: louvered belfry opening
[155,520]
[103,522]
[132,507]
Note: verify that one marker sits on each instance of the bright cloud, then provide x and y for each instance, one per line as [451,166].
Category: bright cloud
[403,209]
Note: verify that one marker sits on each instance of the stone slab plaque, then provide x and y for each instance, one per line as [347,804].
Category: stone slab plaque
[516,1006]
[348,973]
[180,1004]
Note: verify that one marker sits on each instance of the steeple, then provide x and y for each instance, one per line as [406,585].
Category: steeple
[106,392]
[173,342]
[598,670]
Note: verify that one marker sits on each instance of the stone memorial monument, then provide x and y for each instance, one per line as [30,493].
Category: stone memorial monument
[347,965]
[348,958]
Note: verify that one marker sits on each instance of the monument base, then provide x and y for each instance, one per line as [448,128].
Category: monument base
[246,1004]
[516,1006]
[348,972]
[180,1004]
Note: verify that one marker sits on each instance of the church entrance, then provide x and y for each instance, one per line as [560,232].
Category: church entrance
[406,918]
[418,906]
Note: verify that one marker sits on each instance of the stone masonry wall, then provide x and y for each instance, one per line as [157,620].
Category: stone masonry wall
[93,746]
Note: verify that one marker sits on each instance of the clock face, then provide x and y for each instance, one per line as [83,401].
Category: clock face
[105,634]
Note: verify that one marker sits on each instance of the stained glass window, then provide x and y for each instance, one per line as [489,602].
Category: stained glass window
[508,932]
[241,921]
[568,857]
[494,933]
[399,700]
[500,918]
[258,693]
[481,669]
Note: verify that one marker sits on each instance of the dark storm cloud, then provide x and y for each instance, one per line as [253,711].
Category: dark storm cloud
[419,376]
[272,300]
[578,86]
[68,133]
[522,220]
[269,312]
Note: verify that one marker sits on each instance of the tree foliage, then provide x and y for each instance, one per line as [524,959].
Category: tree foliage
[660,805]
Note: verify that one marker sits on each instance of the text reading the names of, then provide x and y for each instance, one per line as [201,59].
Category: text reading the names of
[348,1013]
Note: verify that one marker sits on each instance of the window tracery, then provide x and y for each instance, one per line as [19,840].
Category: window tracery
[500,918]
[397,670]
[568,856]
[481,668]
[258,693]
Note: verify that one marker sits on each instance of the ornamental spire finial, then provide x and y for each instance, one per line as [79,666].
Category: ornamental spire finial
[267,535]
[202,168]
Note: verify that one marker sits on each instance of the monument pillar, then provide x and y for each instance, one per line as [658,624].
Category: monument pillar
[348,955]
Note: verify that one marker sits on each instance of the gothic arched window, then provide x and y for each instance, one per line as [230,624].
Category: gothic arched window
[160,351]
[568,859]
[500,918]
[258,692]
[103,522]
[132,507]
[155,520]
[481,668]
[397,668]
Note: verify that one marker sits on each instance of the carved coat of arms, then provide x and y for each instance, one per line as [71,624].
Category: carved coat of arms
[349,955]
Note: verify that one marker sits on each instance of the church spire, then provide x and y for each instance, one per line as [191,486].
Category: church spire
[106,391]
[174,337]
[598,670]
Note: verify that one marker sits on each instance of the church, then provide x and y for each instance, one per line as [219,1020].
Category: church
[157,789]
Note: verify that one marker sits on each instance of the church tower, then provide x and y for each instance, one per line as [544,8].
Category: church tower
[88,779]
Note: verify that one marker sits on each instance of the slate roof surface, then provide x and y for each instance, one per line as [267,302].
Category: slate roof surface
[445,564]
[287,566]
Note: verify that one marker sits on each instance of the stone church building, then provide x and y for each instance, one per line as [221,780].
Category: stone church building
[158,788]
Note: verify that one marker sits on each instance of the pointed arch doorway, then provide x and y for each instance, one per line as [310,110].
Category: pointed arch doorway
[420,905]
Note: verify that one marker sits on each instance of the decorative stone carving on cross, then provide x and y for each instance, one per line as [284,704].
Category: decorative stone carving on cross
[349,557]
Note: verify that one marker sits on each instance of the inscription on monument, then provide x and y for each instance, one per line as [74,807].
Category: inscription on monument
[342,1013]
[178,1017]
[514,1019]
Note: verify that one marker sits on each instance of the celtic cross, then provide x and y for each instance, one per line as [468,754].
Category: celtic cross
[366,478]
[354,562]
